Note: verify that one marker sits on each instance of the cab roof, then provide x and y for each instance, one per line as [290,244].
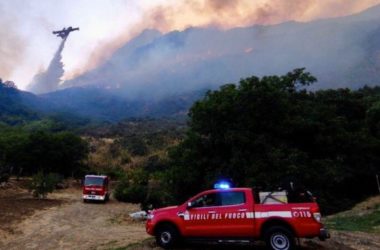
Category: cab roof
[97,176]
[231,189]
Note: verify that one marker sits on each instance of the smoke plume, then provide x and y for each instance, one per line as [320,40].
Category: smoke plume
[154,65]
[223,14]
[49,80]
[12,46]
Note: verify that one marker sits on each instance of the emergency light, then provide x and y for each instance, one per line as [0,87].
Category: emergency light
[222,185]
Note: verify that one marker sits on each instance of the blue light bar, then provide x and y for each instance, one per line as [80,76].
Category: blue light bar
[222,185]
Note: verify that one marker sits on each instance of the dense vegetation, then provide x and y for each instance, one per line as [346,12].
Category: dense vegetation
[132,144]
[269,131]
[28,153]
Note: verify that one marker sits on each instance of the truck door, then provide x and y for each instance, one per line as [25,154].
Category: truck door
[197,219]
[219,214]
[237,215]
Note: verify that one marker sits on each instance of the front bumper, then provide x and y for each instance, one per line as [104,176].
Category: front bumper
[94,197]
[324,234]
[149,227]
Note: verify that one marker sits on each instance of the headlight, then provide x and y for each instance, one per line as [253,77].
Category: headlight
[317,216]
[150,216]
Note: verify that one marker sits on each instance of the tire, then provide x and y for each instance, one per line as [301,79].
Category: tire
[279,238]
[167,236]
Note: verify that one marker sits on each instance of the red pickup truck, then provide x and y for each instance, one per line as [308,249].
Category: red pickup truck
[236,216]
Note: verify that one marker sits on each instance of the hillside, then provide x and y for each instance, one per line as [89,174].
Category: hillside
[340,52]
[21,108]
[13,110]
[104,105]
[87,104]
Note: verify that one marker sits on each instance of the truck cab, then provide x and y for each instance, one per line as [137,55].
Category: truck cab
[234,215]
[95,187]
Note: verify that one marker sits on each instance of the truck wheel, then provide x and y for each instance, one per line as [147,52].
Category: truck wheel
[167,236]
[279,238]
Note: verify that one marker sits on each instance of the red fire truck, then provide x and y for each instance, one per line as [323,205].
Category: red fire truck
[235,215]
[95,187]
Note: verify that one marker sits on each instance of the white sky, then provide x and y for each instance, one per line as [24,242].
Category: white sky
[28,43]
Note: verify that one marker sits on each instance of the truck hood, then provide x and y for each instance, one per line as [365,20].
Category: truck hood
[165,209]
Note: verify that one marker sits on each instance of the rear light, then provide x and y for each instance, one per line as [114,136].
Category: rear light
[317,217]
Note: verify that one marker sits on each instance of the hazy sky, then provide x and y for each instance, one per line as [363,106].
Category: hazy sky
[27,43]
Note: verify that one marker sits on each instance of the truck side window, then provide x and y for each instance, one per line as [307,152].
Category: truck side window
[232,198]
[207,200]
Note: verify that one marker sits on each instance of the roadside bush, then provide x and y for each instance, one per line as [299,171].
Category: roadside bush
[130,192]
[141,187]
[156,198]
[132,187]
[42,184]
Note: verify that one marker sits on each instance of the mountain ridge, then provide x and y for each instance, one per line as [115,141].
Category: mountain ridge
[332,49]
[84,104]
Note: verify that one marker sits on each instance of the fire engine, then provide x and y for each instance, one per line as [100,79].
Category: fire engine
[95,187]
[236,215]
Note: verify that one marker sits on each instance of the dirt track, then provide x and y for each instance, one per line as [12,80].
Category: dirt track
[74,225]
[65,222]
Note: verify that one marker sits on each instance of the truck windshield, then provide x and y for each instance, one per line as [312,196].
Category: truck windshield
[93,181]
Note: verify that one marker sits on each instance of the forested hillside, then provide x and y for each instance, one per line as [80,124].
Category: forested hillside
[12,110]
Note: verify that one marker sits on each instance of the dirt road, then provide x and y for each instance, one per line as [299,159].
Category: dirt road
[65,222]
[72,224]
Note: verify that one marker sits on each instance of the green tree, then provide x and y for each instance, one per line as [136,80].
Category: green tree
[42,184]
[23,152]
[61,152]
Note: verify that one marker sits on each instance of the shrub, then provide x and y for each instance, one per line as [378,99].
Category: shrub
[132,187]
[156,197]
[130,192]
[42,184]
[140,187]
